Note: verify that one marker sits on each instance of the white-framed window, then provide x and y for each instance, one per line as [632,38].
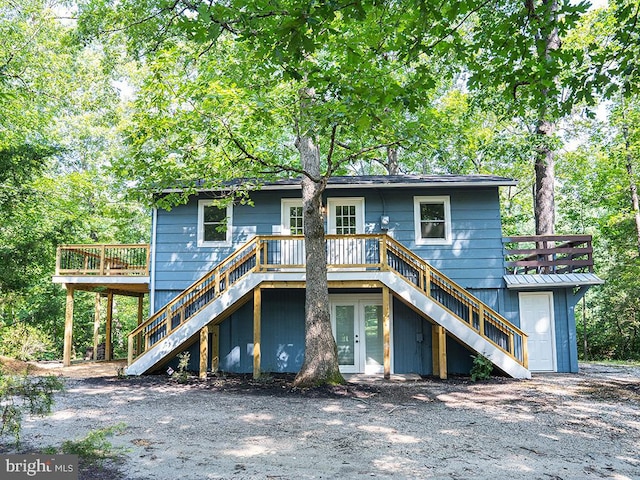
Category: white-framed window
[432,218]
[345,216]
[292,217]
[214,224]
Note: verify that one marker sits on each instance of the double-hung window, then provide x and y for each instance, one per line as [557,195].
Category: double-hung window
[432,217]
[214,224]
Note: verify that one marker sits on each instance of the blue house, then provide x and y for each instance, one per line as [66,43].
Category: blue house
[420,278]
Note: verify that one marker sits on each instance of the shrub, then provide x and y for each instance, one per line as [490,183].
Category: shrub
[481,369]
[94,449]
[24,342]
[20,394]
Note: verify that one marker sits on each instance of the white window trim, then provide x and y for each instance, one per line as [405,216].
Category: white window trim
[285,221]
[446,201]
[201,241]
[359,204]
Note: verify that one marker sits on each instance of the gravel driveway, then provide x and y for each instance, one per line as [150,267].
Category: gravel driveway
[554,426]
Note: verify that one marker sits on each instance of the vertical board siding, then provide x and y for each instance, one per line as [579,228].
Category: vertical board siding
[566,347]
[236,341]
[412,341]
[282,336]
[282,345]
[459,358]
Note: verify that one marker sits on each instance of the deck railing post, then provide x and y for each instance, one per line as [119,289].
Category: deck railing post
[481,316]
[383,254]
[258,248]
[102,254]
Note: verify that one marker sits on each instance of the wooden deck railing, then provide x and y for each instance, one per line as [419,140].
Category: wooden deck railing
[558,254]
[103,260]
[344,252]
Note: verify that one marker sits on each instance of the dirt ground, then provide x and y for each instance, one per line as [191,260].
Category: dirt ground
[554,426]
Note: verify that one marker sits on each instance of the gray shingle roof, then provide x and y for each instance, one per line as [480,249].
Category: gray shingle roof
[375,181]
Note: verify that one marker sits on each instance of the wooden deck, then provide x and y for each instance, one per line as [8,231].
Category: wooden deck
[107,270]
[548,254]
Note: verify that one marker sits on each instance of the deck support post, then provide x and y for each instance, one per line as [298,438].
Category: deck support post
[439,348]
[386,332]
[107,336]
[257,310]
[204,352]
[140,308]
[215,347]
[96,327]
[68,329]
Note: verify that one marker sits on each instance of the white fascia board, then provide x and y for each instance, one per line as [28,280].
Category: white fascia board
[101,280]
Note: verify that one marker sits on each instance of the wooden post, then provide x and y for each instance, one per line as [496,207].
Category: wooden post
[68,329]
[258,248]
[386,332]
[215,347]
[130,350]
[107,336]
[140,308]
[204,352]
[139,338]
[96,327]
[257,310]
[439,346]
[384,263]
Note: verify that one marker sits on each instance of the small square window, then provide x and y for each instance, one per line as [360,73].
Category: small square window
[432,220]
[214,224]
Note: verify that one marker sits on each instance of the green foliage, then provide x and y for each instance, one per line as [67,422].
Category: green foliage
[25,342]
[95,447]
[24,394]
[182,374]
[481,369]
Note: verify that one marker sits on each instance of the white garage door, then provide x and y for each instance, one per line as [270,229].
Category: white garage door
[536,319]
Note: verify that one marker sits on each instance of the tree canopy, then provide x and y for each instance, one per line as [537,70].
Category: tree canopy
[103,103]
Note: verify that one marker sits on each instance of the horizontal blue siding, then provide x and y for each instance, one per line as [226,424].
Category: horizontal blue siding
[474,259]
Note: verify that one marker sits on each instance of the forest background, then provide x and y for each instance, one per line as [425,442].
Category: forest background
[100,105]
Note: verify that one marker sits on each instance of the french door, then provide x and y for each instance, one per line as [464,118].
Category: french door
[358,329]
[345,216]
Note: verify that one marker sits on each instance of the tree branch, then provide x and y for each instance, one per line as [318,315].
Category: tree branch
[331,147]
[464,19]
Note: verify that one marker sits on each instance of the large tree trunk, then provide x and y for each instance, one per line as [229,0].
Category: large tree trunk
[393,167]
[321,354]
[544,208]
[635,203]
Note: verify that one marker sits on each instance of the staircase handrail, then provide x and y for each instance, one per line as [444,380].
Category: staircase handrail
[253,256]
[485,314]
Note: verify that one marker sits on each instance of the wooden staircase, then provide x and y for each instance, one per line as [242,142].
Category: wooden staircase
[366,258]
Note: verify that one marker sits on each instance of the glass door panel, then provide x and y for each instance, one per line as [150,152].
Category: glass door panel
[374,339]
[346,337]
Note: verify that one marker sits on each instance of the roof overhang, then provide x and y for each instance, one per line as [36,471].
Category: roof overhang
[538,281]
[369,181]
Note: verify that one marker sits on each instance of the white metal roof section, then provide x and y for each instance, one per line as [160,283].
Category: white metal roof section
[536,281]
